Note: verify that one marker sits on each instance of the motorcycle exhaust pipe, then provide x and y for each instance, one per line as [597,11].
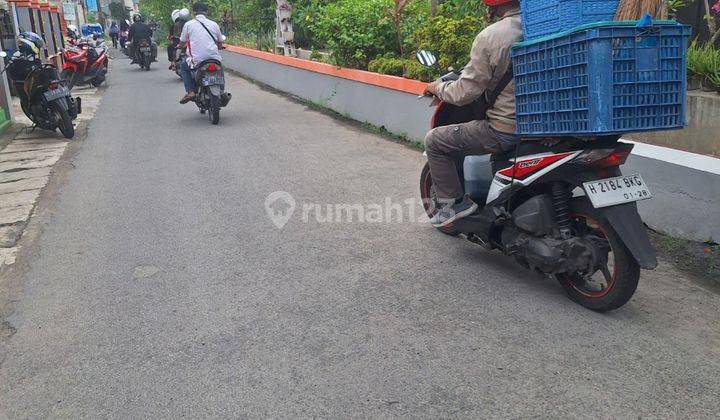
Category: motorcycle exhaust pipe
[225,98]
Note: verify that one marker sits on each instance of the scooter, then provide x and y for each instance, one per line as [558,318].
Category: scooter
[211,95]
[560,207]
[85,63]
[44,98]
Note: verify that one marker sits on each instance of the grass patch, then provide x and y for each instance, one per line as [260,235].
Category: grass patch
[699,259]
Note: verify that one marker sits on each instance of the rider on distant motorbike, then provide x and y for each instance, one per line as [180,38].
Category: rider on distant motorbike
[203,39]
[489,61]
[72,34]
[179,18]
[139,31]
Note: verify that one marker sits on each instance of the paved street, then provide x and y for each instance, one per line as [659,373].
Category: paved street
[151,283]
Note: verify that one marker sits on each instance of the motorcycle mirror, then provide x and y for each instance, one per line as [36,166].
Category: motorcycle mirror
[3,54]
[426,58]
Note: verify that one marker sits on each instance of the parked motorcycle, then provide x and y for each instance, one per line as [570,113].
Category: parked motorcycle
[43,96]
[561,207]
[85,63]
[211,95]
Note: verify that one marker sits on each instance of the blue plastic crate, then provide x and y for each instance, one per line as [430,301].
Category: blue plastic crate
[545,17]
[603,78]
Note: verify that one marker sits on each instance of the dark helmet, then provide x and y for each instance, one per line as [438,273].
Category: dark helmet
[199,8]
[30,43]
[137,17]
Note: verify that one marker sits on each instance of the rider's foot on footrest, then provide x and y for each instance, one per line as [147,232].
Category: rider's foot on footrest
[187,98]
[451,212]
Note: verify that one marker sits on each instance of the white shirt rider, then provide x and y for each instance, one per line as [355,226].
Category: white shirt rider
[200,45]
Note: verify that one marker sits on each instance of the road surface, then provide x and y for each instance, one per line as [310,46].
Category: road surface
[152,283]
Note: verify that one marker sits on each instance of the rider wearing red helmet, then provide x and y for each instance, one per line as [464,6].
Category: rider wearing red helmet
[489,62]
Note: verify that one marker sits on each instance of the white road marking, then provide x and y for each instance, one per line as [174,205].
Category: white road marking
[677,157]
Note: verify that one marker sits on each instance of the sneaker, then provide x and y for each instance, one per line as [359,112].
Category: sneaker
[451,212]
[187,98]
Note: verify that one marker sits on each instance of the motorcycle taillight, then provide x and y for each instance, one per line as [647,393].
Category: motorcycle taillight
[211,67]
[603,158]
[616,158]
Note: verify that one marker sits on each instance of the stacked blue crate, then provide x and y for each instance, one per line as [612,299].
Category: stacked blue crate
[600,79]
[545,17]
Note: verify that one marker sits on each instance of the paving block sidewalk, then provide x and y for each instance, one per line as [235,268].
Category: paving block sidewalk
[26,164]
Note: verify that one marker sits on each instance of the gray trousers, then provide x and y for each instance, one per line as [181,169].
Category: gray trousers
[448,144]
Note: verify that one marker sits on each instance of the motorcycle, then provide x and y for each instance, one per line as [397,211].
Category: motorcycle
[84,63]
[43,96]
[144,55]
[561,207]
[211,95]
[124,43]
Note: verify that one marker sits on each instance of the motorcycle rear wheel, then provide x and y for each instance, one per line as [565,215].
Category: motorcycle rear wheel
[65,123]
[429,199]
[214,110]
[69,77]
[606,289]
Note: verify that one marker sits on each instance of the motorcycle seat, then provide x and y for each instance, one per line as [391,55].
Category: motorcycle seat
[534,146]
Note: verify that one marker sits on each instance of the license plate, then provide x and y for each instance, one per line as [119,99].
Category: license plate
[213,80]
[613,191]
[53,94]
[145,49]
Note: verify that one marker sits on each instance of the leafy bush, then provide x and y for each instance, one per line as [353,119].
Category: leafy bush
[263,41]
[355,31]
[449,38]
[704,61]
[401,67]
[415,70]
[387,65]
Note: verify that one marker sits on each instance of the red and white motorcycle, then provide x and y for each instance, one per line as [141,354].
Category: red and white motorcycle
[564,210]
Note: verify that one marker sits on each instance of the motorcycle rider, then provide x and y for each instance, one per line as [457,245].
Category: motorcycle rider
[114,33]
[139,30]
[171,44]
[72,34]
[203,40]
[489,62]
[124,28]
[179,20]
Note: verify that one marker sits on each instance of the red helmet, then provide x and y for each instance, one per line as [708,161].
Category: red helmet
[493,3]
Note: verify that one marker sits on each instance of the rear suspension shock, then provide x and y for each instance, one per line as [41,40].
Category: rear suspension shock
[561,204]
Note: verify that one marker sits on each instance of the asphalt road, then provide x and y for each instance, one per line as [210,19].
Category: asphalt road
[151,283]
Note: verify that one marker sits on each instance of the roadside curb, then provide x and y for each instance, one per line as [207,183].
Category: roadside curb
[27,162]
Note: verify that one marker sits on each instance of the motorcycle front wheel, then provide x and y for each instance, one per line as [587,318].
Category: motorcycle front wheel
[64,121]
[616,280]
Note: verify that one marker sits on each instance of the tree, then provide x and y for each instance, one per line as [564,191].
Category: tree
[118,11]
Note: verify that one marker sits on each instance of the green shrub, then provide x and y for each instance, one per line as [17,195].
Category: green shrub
[398,67]
[387,65]
[449,38]
[315,55]
[704,61]
[355,31]
[415,70]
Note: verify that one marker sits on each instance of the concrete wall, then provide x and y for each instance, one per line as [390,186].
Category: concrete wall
[399,112]
[702,135]
[686,201]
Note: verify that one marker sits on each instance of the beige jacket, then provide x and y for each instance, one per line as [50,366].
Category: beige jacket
[489,59]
